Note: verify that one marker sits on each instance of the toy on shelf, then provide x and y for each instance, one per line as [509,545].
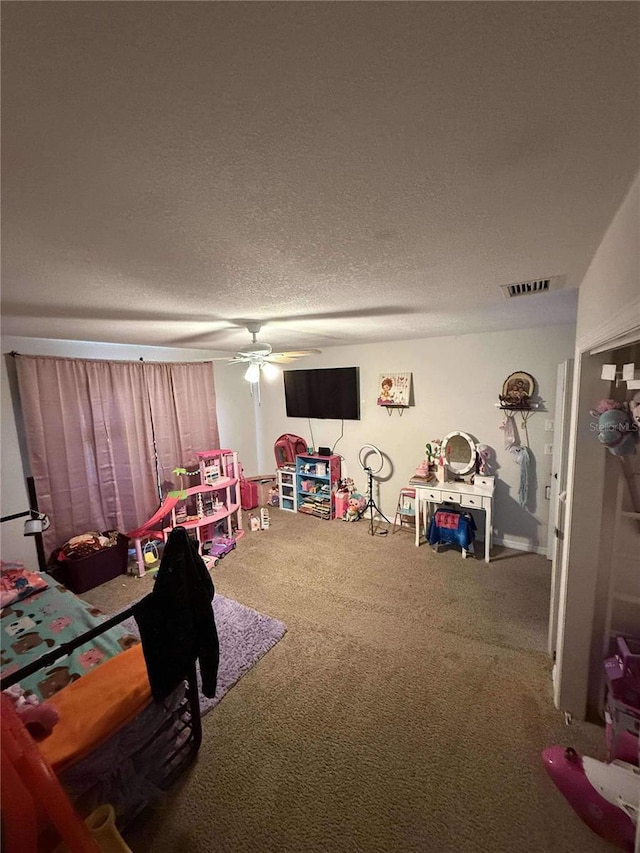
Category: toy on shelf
[615,428]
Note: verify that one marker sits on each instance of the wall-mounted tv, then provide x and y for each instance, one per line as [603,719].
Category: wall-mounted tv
[331,392]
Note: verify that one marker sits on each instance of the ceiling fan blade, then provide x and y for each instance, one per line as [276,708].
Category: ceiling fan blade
[289,357]
[280,359]
[298,353]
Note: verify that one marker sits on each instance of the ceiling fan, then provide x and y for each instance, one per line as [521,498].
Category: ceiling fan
[259,356]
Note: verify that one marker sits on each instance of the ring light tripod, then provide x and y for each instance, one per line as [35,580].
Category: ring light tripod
[365,450]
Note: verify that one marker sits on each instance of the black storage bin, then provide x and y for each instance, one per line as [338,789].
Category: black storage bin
[85,573]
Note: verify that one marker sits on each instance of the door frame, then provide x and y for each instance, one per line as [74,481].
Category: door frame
[557,514]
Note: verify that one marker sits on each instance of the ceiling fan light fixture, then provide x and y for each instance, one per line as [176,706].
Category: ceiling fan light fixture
[253,373]
[269,370]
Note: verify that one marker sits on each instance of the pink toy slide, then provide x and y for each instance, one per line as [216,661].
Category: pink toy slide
[149,531]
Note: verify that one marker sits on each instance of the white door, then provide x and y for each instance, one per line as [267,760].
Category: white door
[555,542]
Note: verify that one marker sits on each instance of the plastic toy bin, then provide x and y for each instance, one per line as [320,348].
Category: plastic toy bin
[85,573]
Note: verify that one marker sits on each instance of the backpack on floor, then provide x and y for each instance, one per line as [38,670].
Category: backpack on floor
[287,447]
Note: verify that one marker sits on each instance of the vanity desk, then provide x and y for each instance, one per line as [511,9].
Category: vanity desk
[460,494]
[459,455]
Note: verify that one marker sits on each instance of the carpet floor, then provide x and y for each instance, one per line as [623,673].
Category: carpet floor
[405,709]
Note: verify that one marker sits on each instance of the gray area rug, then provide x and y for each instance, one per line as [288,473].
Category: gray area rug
[245,636]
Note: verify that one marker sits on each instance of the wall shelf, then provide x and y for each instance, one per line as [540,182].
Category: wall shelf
[530,407]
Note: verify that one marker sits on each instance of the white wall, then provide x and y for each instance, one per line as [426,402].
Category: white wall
[608,309]
[456,384]
[609,298]
[234,405]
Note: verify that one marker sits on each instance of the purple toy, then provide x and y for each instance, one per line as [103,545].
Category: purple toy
[222,545]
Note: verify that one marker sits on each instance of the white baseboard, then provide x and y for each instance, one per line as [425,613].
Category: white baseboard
[519,546]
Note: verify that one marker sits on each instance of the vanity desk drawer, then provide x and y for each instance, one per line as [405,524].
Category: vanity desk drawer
[452,497]
[474,501]
[434,495]
[486,485]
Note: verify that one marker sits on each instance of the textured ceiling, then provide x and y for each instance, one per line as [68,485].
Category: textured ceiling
[344,172]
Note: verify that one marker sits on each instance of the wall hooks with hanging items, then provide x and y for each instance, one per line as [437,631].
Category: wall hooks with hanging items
[517,395]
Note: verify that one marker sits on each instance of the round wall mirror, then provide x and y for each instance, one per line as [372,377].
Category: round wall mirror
[459,452]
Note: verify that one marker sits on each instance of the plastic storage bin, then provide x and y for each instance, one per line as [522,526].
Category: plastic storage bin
[264,482]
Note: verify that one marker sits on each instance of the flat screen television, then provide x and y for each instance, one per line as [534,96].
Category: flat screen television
[331,392]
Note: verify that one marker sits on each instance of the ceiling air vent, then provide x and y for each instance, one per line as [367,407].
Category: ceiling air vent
[528,288]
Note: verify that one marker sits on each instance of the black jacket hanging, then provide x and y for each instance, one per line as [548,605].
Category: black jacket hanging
[176,620]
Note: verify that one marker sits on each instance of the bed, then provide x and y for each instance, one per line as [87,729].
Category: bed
[113,742]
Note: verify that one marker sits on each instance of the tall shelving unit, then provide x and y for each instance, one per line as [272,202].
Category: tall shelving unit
[212,506]
[316,477]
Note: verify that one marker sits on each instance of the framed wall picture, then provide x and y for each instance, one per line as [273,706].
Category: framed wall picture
[394,389]
[517,390]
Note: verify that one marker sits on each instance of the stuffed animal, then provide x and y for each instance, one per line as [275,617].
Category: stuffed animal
[346,486]
[607,406]
[38,717]
[634,409]
[355,507]
[484,460]
[353,510]
[615,429]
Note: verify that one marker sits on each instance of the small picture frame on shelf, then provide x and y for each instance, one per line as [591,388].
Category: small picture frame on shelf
[394,389]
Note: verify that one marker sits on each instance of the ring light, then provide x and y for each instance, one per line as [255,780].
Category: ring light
[365,451]
[370,448]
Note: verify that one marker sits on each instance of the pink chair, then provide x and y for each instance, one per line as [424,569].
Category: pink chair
[405,517]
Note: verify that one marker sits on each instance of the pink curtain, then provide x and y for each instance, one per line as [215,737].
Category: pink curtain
[183,404]
[92,428]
